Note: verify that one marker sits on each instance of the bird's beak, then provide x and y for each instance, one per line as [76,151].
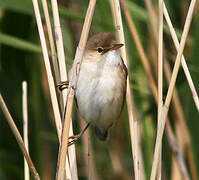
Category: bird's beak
[113,47]
[116,46]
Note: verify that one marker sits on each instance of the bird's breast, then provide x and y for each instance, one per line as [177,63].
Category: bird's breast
[100,93]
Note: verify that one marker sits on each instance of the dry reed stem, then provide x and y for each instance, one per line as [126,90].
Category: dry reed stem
[55,66]
[88,157]
[63,77]
[67,172]
[18,138]
[176,102]
[179,113]
[72,156]
[142,167]
[51,41]
[60,46]
[181,143]
[177,154]
[53,96]
[183,61]
[25,126]
[177,108]
[175,39]
[48,70]
[164,111]
[179,54]
[140,49]
[160,74]
[180,118]
[153,18]
[175,171]
[71,89]
[133,123]
[192,163]
[54,100]
[184,129]
[160,58]
[143,57]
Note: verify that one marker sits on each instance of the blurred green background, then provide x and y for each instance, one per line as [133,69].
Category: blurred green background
[21,60]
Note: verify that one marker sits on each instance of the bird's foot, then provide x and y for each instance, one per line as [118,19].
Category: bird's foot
[73,139]
[63,85]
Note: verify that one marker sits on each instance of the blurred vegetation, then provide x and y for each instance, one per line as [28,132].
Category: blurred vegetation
[21,59]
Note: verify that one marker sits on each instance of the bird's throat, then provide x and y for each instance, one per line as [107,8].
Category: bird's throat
[112,58]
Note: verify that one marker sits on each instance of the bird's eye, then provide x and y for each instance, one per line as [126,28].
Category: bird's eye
[100,49]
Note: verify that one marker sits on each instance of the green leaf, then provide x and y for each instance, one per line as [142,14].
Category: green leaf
[18,43]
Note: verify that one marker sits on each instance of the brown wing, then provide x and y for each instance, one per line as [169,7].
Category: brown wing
[125,71]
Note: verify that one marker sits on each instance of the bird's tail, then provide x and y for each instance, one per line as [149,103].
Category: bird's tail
[101,135]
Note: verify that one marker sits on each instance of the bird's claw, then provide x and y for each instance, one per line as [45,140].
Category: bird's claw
[63,85]
[73,139]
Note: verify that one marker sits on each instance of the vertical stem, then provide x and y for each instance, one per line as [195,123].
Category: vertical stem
[48,70]
[18,138]
[165,108]
[183,61]
[180,51]
[25,127]
[89,155]
[59,45]
[142,54]
[133,123]
[160,73]
[63,77]
[51,41]
[72,85]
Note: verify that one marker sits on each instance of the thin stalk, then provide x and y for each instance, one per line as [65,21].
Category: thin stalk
[165,109]
[56,72]
[72,156]
[18,138]
[51,41]
[88,150]
[25,126]
[179,54]
[176,102]
[177,154]
[60,46]
[53,95]
[192,163]
[63,77]
[182,123]
[183,61]
[153,19]
[160,74]
[140,49]
[133,123]
[71,89]
[143,57]
[48,70]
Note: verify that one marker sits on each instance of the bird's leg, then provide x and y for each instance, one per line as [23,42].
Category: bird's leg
[73,139]
[63,85]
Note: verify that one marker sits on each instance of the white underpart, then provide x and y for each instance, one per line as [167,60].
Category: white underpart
[99,90]
[112,58]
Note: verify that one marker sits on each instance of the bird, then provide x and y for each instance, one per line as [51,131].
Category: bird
[101,86]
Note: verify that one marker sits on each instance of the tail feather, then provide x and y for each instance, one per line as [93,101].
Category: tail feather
[101,135]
